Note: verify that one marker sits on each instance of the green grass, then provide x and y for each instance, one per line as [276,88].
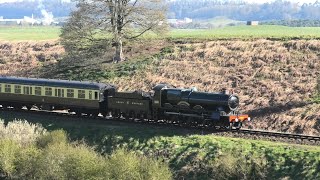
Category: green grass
[249,32]
[316,99]
[28,33]
[190,155]
[233,32]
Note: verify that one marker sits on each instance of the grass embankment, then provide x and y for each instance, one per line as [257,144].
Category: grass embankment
[192,156]
[275,80]
[248,67]
[233,32]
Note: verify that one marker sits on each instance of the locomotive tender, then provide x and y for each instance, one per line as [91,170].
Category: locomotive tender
[165,103]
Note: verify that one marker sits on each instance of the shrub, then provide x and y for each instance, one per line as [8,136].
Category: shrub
[26,162]
[50,156]
[83,163]
[238,166]
[21,131]
[123,164]
[65,161]
[54,137]
[8,151]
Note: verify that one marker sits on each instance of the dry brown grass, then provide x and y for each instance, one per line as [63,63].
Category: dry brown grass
[18,58]
[274,79]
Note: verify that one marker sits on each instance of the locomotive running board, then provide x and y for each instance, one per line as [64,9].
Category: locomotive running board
[183,114]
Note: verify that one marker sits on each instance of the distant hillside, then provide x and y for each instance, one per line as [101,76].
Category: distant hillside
[179,9]
[18,10]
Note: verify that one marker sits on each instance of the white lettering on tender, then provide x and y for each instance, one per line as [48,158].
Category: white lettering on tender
[136,103]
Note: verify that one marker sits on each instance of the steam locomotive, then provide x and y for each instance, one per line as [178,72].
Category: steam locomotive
[164,103]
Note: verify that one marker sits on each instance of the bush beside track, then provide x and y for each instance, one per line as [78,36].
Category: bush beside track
[192,156]
[28,151]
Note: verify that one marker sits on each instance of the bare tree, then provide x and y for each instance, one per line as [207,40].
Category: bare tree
[116,20]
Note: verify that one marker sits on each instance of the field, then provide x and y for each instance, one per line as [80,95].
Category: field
[249,32]
[28,33]
[235,32]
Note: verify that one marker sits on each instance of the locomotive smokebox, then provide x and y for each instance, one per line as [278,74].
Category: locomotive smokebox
[233,102]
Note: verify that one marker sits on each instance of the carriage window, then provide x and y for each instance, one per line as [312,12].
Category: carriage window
[17,89]
[27,90]
[70,93]
[37,91]
[90,94]
[82,94]
[7,88]
[0,88]
[59,92]
[48,91]
[96,95]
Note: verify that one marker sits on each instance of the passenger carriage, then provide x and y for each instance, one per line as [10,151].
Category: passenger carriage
[48,94]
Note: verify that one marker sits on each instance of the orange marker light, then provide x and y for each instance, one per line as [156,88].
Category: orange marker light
[239,118]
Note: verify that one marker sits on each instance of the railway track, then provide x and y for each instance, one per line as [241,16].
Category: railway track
[280,134]
[242,133]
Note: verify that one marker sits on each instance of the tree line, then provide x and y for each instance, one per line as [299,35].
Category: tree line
[179,9]
[17,10]
[294,23]
[239,10]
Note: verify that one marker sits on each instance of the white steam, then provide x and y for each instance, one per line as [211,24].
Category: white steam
[48,17]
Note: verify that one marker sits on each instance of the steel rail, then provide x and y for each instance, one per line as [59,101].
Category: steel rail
[278,134]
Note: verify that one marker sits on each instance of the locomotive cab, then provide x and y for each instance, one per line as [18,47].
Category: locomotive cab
[105,92]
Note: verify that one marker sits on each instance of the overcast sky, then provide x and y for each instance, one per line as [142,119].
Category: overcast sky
[255,1]
[3,1]
[263,1]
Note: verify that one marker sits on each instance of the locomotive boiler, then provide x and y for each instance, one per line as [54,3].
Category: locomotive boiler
[210,101]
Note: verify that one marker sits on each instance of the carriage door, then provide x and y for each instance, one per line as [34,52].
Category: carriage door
[59,92]
[27,90]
